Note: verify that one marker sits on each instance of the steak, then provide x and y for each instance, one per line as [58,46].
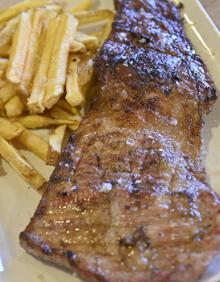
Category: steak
[129,200]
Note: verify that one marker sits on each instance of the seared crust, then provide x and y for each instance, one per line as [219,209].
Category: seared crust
[129,200]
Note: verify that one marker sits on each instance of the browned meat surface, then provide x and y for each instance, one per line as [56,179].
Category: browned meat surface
[129,199]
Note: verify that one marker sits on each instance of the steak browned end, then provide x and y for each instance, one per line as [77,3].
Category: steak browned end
[129,199]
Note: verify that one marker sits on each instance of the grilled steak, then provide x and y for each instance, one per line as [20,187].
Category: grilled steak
[129,199]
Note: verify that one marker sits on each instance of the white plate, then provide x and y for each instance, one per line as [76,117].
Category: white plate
[17,202]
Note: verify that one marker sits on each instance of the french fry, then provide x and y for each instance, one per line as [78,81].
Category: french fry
[74,95]
[88,17]
[32,53]
[67,107]
[2,170]
[8,130]
[19,49]
[18,8]
[3,83]
[33,142]
[20,164]
[6,34]
[35,102]
[77,47]
[3,64]
[14,107]
[82,6]
[55,145]
[36,121]
[58,113]
[91,42]
[59,59]
[7,92]
[5,51]
[85,69]
[73,127]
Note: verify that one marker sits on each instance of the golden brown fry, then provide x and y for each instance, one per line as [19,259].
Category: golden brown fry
[73,127]
[83,5]
[6,34]
[14,107]
[5,51]
[59,60]
[8,130]
[18,8]
[3,64]
[67,107]
[7,92]
[91,42]
[35,102]
[74,94]
[88,17]
[2,170]
[37,121]
[58,113]
[85,69]
[56,140]
[19,49]
[33,142]
[20,164]
[38,18]
[77,47]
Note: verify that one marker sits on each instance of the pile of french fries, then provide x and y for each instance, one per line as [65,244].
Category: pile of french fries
[46,76]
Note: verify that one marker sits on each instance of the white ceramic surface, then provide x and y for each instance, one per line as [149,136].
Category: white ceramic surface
[18,202]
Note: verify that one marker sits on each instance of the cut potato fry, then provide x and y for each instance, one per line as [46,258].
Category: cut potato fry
[55,145]
[33,142]
[32,53]
[91,42]
[19,49]
[82,6]
[18,8]
[3,64]
[14,107]
[36,121]
[88,17]
[3,83]
[6,34]
[59,60]
[5,51]
[35,102]
[106,31]
[67,107]
[8,130]
[73,127]
[7,92]
[77,47]
[58,113]
[85,69]
[2,170]
[74,95]
[20,164]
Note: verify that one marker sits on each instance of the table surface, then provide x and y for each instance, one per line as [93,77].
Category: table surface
[213,8]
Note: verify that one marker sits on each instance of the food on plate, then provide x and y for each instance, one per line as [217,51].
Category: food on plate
[55,144]
[20,164]
[15,10]
[33,142]
[19,48]
[129,199]
[38,40]
[14,107]
[9,130]
[83,5]
[59,59]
